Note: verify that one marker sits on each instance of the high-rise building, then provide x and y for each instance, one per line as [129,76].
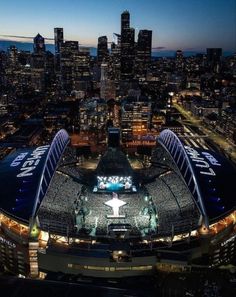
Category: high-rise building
[135,120]
[179,60]
[214,54]
[93,115]
[38,63]
[68,51]
[127,54]
[127,47]
[12,56]
[214,58]
[75,67]
[39,44]
[49,70]
[125,21]
[82,74]
[143,53]
[102,49]
[58,39]
[117,39]
[107,86]
[115,57]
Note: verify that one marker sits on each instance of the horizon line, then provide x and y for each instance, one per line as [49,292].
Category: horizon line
[154,48]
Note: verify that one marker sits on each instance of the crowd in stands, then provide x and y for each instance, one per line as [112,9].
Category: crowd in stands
[161,159]
[69,156]
[72,171]
[57,208]
[163,204]
[175,207]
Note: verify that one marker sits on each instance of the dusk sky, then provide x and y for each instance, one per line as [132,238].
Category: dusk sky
[181,24]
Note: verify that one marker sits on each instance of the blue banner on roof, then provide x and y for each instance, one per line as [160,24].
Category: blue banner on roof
[20,174]
[216,179]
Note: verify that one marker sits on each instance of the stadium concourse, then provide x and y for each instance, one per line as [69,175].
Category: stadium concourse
[173,213]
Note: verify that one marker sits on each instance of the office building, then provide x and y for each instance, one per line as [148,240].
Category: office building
[58,39]
[127,47]
[143,53]
[125,21]
[39,44]
[102,49]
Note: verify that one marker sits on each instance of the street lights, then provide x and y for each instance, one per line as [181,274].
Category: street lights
[171,94]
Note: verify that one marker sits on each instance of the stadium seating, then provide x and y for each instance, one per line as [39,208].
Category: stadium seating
[162,205]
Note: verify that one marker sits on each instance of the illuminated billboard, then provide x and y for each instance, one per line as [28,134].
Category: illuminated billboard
[114,183]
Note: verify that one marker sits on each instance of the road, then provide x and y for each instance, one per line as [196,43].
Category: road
[214,140]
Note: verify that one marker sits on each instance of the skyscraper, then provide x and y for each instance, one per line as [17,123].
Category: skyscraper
[125,21]
[39,45]
[214,58]
[38,63]
[179,60]
[58,38]
[115,56]
[74,67]
[127,47]
[143,52]
[69,50]
[107,86]
[102,49]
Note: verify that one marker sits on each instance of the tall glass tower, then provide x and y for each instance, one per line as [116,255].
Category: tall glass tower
[127,47]
[58,38]
[125,20]
[102,49]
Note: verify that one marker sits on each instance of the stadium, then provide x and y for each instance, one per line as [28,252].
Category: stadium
[112,219]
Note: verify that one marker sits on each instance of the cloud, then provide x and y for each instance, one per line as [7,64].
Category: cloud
[159,48]
[21,38]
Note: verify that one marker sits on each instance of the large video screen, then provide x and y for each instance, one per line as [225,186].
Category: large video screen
[114,183]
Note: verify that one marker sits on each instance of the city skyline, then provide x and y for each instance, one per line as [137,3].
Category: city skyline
[173,24]
[117,160]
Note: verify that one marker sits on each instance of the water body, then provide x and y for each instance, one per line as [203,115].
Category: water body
[26,46]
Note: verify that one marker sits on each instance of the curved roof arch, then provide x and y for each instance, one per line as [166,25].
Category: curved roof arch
[172,144]
[209,176]
[56,150]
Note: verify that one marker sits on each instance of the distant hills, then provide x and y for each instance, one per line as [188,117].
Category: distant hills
[26,46]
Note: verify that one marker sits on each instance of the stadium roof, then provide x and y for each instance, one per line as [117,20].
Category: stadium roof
[26,175]
[209,176]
